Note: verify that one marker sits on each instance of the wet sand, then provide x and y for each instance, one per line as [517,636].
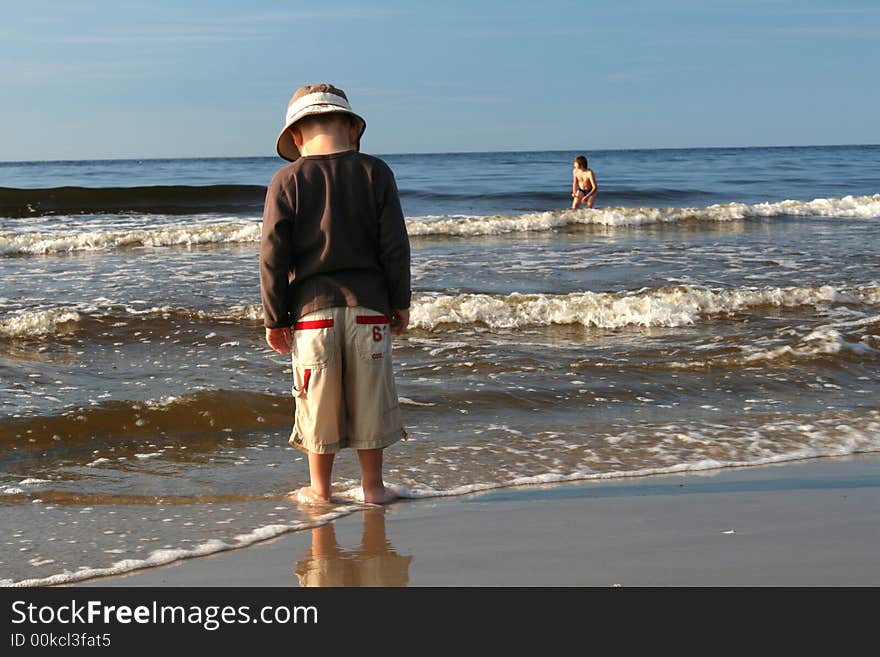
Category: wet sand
[809,523]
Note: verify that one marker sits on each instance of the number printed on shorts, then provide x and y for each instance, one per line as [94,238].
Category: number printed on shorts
[373,341]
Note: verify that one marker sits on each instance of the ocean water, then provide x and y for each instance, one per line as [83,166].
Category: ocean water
[717,307]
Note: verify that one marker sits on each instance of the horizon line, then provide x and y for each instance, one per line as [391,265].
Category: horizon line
[499,152]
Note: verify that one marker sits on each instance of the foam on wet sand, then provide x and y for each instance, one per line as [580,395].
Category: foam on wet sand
[812,523]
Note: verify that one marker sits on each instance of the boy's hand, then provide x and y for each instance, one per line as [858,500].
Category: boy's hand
[279,339]
[399,321]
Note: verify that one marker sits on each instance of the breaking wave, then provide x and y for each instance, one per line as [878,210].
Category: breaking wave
[38,323]
[43,243]
[863,207]
[650,307]
[463,225]
[666,306]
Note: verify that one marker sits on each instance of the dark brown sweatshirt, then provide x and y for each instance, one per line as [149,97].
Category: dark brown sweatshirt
[333,235]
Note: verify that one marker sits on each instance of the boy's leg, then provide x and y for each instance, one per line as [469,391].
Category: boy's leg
[320,474]
[371,477]
[320,424]
[373,409]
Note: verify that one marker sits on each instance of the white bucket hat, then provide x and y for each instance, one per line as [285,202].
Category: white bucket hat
[313,99]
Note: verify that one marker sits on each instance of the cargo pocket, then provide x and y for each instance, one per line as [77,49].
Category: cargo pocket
[373,337]
[302,377]
[313,343]
[305,416]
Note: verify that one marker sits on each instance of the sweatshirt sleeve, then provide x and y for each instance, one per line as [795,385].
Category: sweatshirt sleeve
[394,244]
[276,250]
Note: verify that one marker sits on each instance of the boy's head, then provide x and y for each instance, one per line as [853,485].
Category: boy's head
[342,128]
[317,107]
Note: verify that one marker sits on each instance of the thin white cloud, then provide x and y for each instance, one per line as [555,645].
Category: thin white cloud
[401,96]
[525,33]
[624,76]
[163,35]
[244,27]
[825,31]
[26,73]
[337,13]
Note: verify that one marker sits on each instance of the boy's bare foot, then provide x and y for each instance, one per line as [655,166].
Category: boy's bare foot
[379,496]
[306,495]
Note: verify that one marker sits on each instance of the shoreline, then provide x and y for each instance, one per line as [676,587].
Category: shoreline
[814,522]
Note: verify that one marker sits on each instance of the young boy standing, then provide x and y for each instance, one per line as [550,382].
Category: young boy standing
[335,284]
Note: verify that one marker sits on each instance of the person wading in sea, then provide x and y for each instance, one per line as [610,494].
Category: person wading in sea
[583,184]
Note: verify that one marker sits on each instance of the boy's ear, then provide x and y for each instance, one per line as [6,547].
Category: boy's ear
[297,135]
[353,132]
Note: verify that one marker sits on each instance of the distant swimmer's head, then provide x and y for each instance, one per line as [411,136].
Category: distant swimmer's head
[581,162]
[316,106]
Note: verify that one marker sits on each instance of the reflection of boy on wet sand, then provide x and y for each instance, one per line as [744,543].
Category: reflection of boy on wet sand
[374,564]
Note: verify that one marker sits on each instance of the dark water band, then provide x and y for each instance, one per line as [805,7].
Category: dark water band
[159,199]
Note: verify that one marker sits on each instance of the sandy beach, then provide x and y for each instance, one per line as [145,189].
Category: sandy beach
[809,523]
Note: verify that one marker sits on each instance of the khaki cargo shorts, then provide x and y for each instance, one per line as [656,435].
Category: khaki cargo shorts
[343,382]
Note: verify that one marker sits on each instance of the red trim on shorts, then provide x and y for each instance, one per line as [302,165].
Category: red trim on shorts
[313,324]
[307,374]
[371,319]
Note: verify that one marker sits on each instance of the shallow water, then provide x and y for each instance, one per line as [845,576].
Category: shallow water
[697,318]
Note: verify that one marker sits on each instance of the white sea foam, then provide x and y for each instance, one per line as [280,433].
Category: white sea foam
[832,436]
[823,340]
[165,402]
[451,225]
[664,306]
[41,243]
[828,437]
[38,323]
[827,340]
[235,313]
[41,323]
[847,445]
[463,225]
[412,402]
[672,306]
[169,555]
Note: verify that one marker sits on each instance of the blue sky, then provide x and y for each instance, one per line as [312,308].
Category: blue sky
[99,79]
